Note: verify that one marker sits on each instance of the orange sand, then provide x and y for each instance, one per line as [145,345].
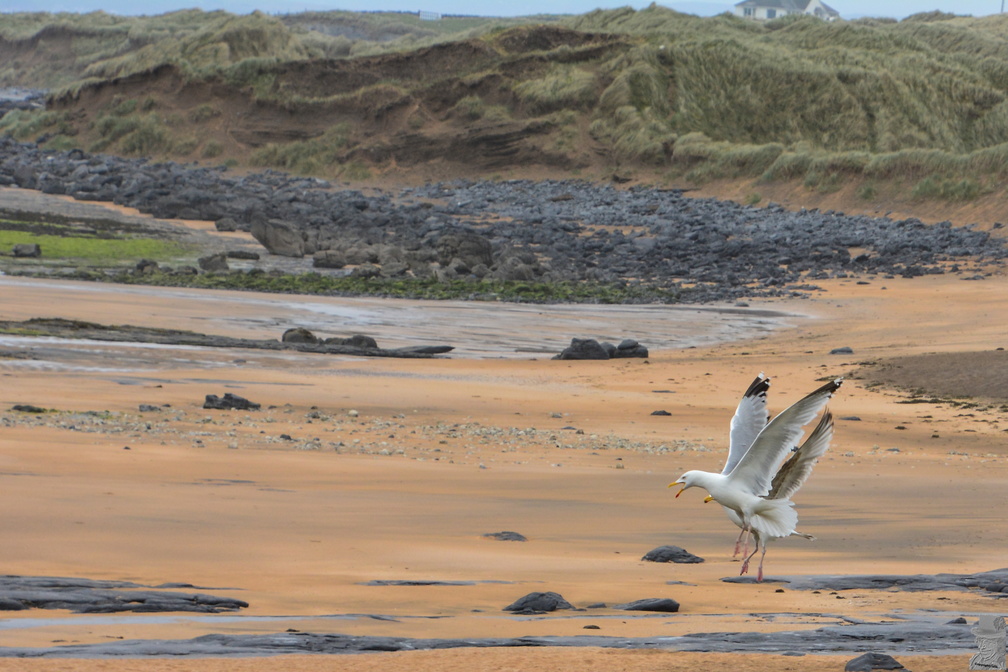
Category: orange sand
[295,527]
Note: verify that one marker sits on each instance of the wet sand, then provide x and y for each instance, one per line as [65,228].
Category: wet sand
[394,470]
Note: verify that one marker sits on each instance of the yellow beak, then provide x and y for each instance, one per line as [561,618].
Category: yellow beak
[680,489]
[707,499]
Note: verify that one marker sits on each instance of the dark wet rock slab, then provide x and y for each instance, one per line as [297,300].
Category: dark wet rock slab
[62,328]
[919,636]
[994,582]
[86,596]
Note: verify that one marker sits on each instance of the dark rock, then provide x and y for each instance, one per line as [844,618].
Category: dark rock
[27,408]
[86,596]
[630,348]
[660,412]
[146,266]
[226,224]
[214,262]
[299,335]
[505,536]
[279,237]
[539,603]
[842,351]
[361,341]
[872,661]
[147,408]
[366,271]
[468,248]
[229,402]
[583,348]
[245,255]
[27,250]
[671,554]
[328,259]
[664,604]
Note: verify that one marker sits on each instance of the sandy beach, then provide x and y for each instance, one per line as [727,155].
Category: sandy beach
[363,470]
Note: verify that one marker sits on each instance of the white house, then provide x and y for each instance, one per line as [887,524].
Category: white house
[774,9]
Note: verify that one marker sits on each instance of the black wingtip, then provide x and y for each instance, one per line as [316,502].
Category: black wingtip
[830,387]
[758,386]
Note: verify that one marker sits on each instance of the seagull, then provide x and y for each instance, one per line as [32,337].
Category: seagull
[790,477]
[750,418]
[751,473]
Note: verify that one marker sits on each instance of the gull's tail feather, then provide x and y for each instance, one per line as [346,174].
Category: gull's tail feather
[774,518]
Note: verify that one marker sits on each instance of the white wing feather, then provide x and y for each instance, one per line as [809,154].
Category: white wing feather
[793,473]
[750,418]
[755,471]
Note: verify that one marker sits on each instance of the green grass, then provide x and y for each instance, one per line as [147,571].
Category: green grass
[92,250]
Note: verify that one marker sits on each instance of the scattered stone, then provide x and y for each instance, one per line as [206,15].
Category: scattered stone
[663,604]
[671,554]
[539,603]
[226,224]
[873,661]
[842,351]
[147,408]
[229,402]
[660,413]
[506,535]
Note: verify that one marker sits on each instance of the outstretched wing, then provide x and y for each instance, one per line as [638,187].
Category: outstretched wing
[750,418]
[755,471]
[793,473]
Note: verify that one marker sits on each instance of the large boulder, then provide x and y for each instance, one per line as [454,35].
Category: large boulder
[583,348]
[279,237]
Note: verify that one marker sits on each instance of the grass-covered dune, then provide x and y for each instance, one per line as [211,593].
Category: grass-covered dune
[917,106]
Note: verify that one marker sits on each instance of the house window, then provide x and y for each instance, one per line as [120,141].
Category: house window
[748,12]
[771,13]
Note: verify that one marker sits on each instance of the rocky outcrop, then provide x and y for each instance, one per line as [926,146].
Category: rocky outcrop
[518,231]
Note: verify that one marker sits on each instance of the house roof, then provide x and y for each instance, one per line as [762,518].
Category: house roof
[789,5]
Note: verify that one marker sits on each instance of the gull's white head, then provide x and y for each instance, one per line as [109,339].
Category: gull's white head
[688,480]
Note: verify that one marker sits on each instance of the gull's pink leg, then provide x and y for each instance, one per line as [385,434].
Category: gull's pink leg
[745,564]
[738,542]
[759,573]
